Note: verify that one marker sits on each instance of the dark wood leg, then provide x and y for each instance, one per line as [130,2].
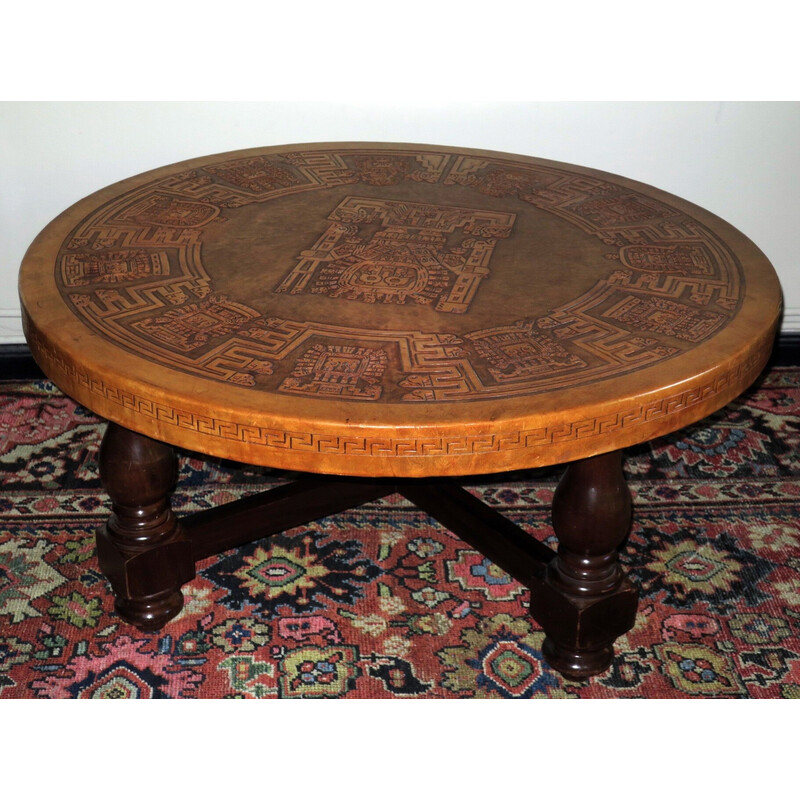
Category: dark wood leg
[258,516]
[585,601]
[142,549]
[481,527]
[579,595]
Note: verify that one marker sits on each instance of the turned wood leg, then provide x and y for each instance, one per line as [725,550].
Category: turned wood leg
[585,601]
[141,548]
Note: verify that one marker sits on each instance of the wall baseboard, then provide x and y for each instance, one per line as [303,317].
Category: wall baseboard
[11,327]
[17,364]
[786,352]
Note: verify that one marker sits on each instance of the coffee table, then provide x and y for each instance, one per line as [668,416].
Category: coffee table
[386,318]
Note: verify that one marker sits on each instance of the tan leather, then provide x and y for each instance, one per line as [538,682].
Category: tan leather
[376,309]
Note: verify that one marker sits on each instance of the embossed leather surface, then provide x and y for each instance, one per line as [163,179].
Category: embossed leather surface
[399,276]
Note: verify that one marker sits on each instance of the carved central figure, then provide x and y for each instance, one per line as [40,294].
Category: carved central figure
[390,251]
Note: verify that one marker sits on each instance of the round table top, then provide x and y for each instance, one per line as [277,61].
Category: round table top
[396,310]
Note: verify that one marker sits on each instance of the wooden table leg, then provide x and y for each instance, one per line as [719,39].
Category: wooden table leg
[585,601]
[142,549]
[580,597]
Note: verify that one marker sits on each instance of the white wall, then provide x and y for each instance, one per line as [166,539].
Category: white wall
[738,160]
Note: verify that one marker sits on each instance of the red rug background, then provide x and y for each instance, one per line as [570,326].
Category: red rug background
[382,602]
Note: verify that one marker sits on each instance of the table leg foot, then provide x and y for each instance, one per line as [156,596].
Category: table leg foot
[149,614]
[585,601]
[577,664]
[142,549]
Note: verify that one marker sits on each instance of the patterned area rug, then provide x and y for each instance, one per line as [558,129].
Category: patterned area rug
[382,602]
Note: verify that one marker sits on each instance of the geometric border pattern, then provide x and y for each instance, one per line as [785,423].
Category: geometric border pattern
[132,271]
[414,446]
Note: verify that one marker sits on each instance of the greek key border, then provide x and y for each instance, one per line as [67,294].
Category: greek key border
[405,447]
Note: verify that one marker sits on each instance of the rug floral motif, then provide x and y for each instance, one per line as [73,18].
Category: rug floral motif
[383,602]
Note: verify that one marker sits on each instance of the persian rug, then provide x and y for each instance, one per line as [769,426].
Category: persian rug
[383,602]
